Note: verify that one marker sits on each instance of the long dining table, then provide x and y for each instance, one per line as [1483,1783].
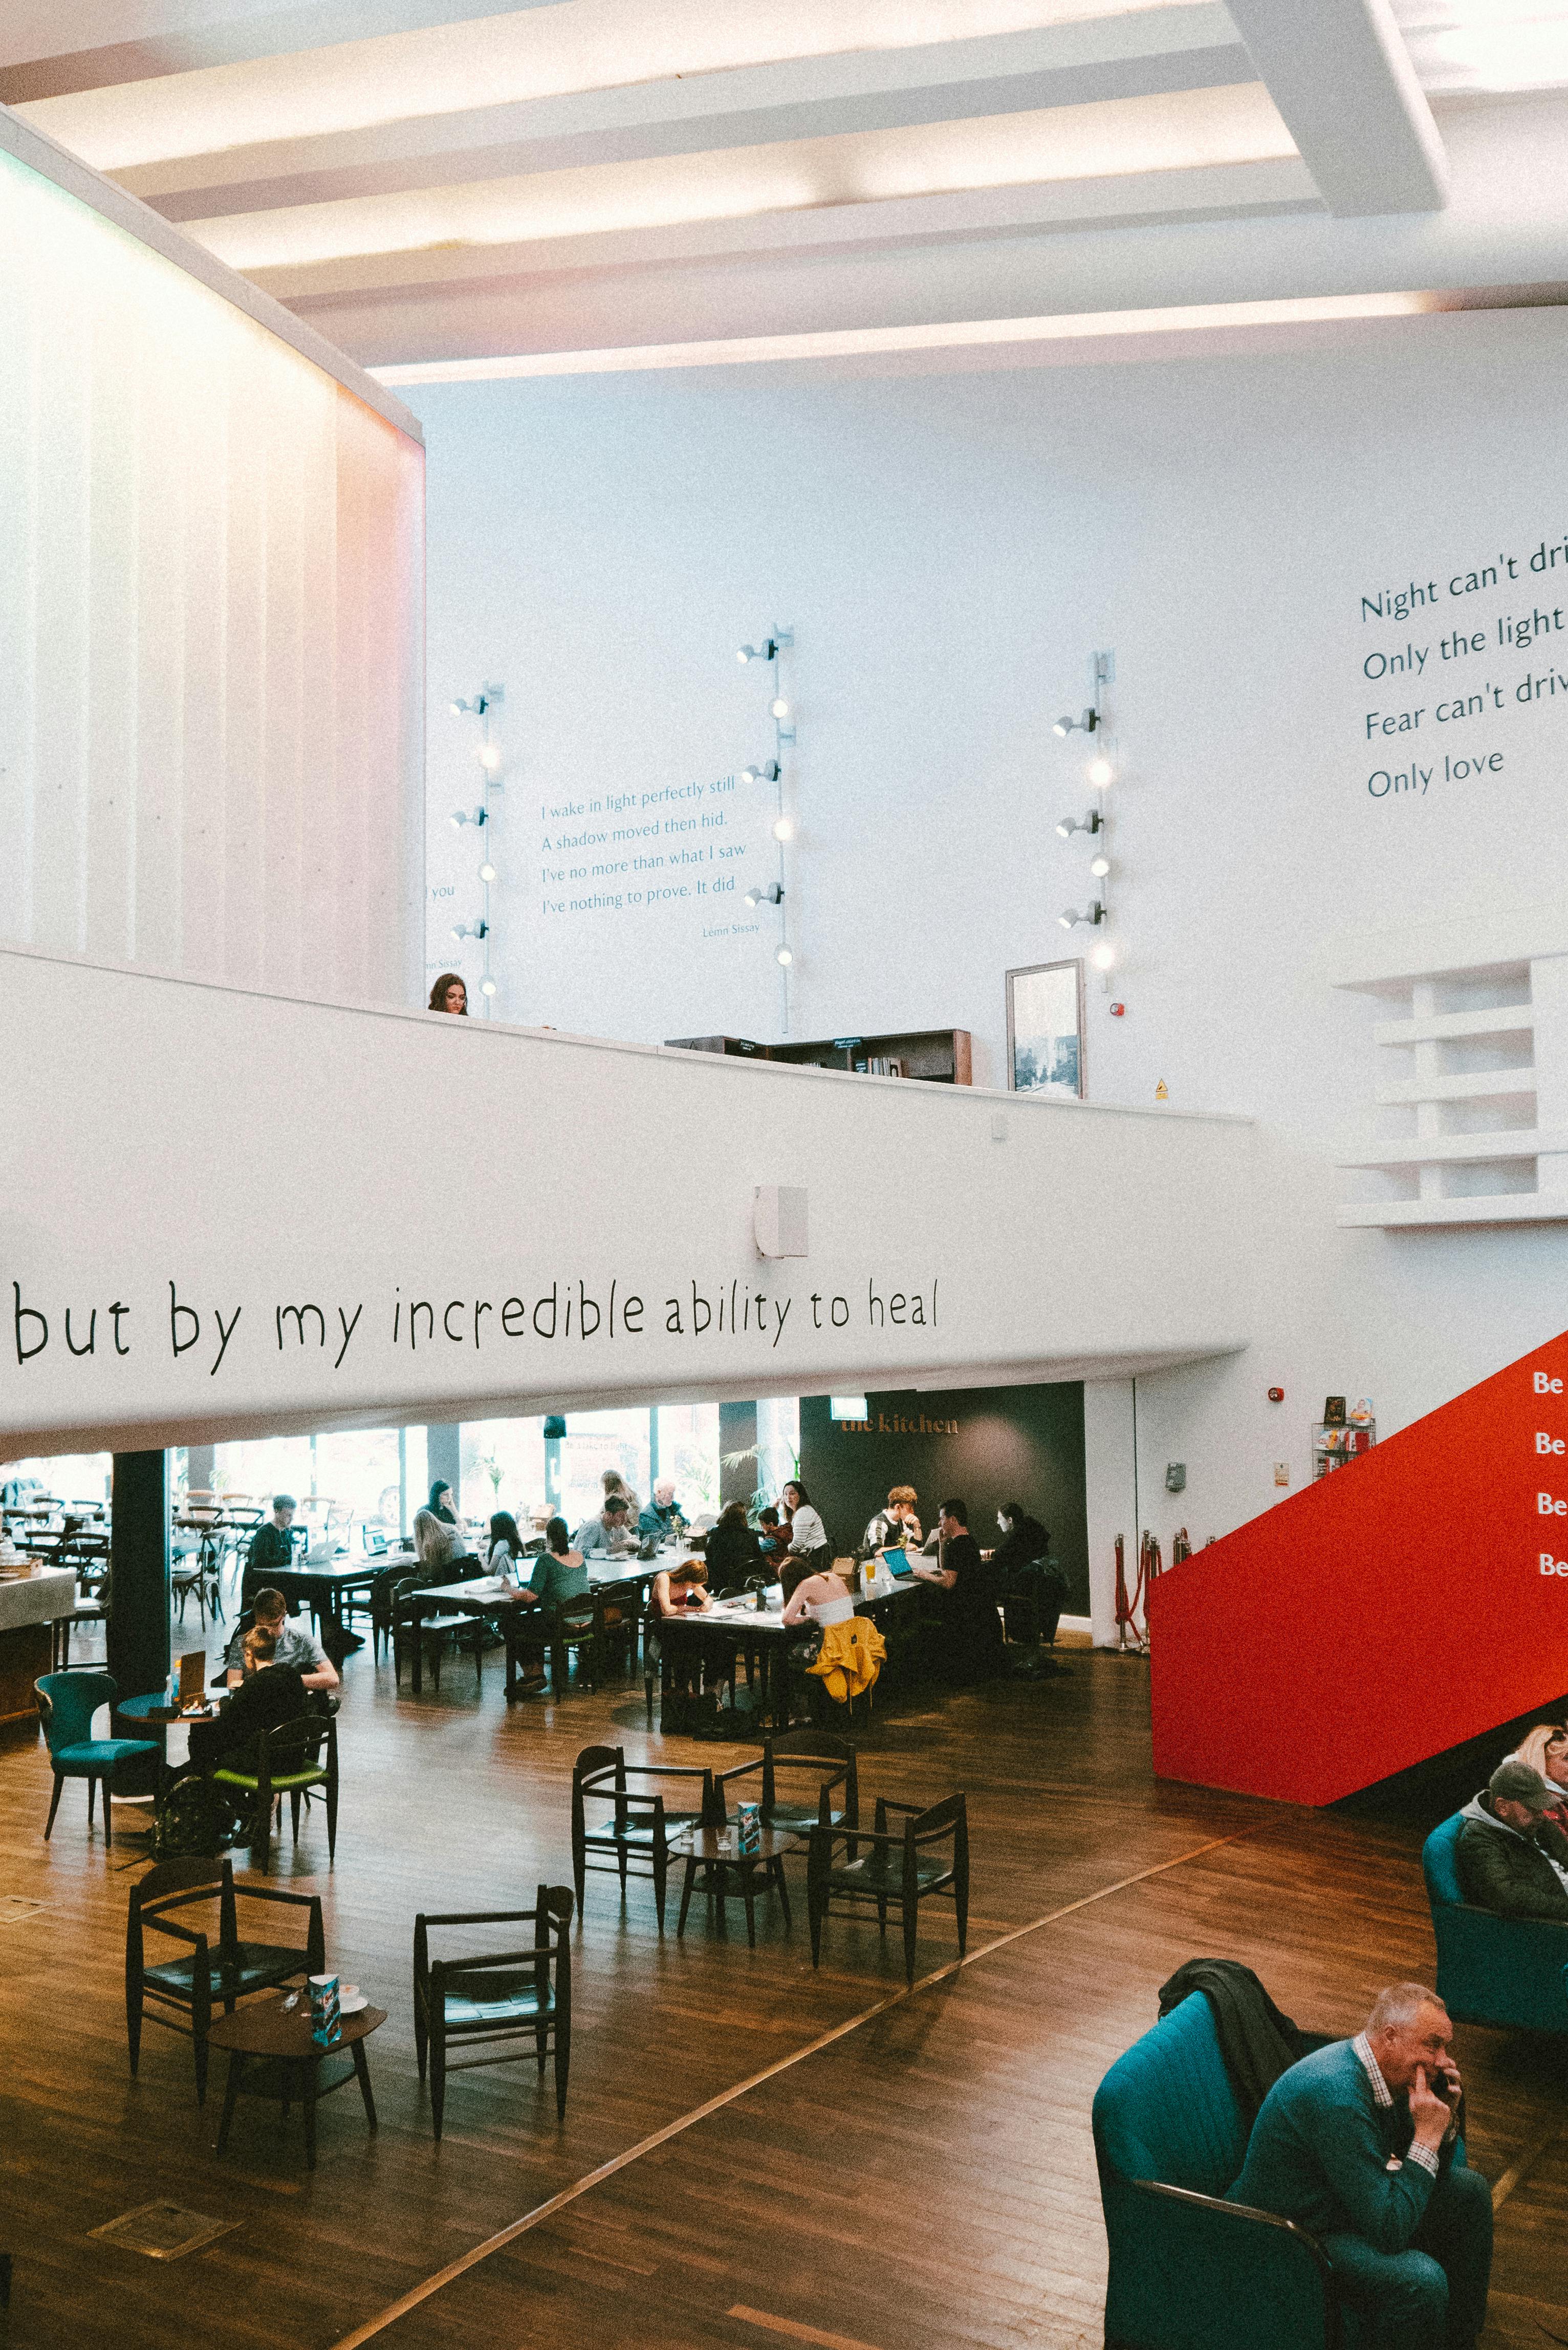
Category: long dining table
[764,1630]
[487,1595]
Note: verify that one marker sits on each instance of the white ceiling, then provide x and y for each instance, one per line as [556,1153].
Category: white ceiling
[439,180]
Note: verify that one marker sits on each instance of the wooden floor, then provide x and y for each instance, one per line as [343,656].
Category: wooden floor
[877,2171]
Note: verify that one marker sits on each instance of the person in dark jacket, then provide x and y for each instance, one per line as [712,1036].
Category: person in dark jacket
[270,1694]
[1026,1576]
[271,1548]
[973,1648]
[733,1550]
[1511,1858]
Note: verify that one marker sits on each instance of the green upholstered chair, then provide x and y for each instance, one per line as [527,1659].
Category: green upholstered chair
[521,1994]
[1511,1972]
[897,1867]
[182,1992]
[1188,2270]
[67,1702]
[286,1760]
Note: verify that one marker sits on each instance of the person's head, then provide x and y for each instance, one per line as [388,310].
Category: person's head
[450,994]
[688,1571]
[664,1492]
[734,1513]
[901,1500]
[1010,1515]
[1545,1749]
[558,1533]
[1518,1796]
[261,1646]
[269,1607]
[768,1517]
[503,1528]
[955,1518]
[283,1507]
[429,1532]
[614,1483]
[615,1510]
[1409,2026]
[796,1494]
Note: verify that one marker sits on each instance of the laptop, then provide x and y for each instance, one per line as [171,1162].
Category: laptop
[193,1680]
[898,1563]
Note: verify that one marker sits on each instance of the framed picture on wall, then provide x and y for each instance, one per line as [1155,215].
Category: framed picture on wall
[1045,1028]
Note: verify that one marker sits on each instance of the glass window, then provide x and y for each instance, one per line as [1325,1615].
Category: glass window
[689,1455]
[595,1441]
[68,1476]
[502,1466]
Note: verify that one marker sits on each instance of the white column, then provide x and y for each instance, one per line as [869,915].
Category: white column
[1111,1496]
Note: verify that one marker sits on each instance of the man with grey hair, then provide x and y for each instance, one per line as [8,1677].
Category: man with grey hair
[1360,2144]
[1511,1858]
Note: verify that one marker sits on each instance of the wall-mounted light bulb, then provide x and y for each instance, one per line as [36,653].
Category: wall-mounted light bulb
[489,756]
[461,817]
[1099,867]
[1100,771]
[784,957]
[487,873]
[487,987]
[457,708]
[779,708]
[1103,957]
[784,829]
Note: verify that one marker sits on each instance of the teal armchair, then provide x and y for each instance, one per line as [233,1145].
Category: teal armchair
[1511,1972]
[66,1703]
[1188,2270]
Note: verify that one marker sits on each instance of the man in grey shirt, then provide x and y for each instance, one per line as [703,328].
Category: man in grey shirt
[607,1536]
[296,1646]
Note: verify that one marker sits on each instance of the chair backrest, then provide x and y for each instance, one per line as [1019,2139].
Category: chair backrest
[811,1750]
[950,1813]
[67,1702]
[574,1618]
[289,1745]
[1166,2109]
[1439,1864]
[173,1882]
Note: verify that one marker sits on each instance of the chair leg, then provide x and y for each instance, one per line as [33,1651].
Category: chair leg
[133,2024]
[814,1908]
[332,1821]
[421,2035]
[911,1910]
[294,1811]
[92,1797]
[563,2065]
[53,1807]
[660,1879]
[201,2053]
[107,1814]
[438,2077]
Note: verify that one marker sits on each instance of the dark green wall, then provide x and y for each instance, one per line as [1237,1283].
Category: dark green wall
[1013,1444]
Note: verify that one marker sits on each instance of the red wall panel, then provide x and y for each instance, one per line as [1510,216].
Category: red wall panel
[1406,1602]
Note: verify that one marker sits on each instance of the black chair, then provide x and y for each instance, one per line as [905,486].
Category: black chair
[904,1867]
[498,1995]
[190,1986]
[288,1761]
[829,1761]
[639,1824]
[574,1631]
[435,1632]
[394,1583]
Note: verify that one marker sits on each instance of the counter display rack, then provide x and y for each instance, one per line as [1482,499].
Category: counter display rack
[1335,1447]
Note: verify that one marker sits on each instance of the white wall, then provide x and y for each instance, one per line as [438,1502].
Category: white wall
[950,550]
[211,614]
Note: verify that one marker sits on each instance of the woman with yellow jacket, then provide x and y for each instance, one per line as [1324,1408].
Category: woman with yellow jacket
[852,1648]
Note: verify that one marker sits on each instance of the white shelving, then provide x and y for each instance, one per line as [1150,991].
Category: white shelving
[1474,1098]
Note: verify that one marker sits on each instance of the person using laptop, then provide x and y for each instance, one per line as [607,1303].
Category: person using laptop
[609,1536]
[293,1645]
[897,1524]
[973,1644]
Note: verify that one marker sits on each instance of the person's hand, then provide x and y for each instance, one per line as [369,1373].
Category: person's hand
[1430,2113]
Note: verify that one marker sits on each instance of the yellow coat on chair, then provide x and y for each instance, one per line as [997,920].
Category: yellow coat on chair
[851,1658]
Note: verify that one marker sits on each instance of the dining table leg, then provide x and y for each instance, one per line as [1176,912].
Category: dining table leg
[417,1628]
[230,2094]
[363,2070]
[308,2068]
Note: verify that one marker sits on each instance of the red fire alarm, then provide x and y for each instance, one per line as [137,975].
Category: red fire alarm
[1276,1394]
[1118,1010]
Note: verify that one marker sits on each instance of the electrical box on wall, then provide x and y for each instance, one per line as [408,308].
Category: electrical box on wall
[1176,1476]
[778,1218]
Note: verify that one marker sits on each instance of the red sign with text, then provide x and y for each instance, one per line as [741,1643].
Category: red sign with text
[1416,1597]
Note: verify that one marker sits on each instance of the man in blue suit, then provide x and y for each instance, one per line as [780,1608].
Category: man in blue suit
[1360,2144]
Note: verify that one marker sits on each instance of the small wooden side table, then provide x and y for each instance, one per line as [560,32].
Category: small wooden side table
[716,1851]
[276,2040]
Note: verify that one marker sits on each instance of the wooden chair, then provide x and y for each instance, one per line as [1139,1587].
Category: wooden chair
[903,1868]
[616,1624]
[287,1761]
[639,1824]
[829,1761]
[394,1583]
[436,1632]
[189,1986]
[498,1995]
[67,1704]
[574,1628]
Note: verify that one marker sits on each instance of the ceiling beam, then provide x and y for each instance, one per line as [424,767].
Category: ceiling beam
[1341,76]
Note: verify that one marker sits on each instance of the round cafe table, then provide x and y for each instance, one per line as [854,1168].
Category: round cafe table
[273,2039]
[716,1852]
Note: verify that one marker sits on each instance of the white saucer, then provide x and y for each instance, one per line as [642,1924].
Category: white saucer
[353,2004]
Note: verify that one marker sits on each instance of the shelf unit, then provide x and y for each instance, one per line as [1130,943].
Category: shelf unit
[941,1056]
[1337,1447]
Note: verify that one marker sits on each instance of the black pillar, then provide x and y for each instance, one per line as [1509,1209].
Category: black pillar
[737,1435]
[443,1458]
[138,1628]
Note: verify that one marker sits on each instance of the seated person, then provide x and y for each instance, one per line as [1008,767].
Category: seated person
[507,1546]
[438,1543]
[659,1519]
[772,1534]
[1023,1568]
[271,1548]
[1359,2143]
[269,1693]
[897,1525]
[733,1551]
[559,1573]
[293,1645]
[440,1504]
[823,1598]
[1545,1749]
[676,1590]
[974,1647]
[1511,1857]
[609,1535]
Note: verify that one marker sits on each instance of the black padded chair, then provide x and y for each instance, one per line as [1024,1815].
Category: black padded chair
[640,1827]
[833,1802]
[296,1756]
[928,1856]
[521,1994]
[180,1993]
[437,1633]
